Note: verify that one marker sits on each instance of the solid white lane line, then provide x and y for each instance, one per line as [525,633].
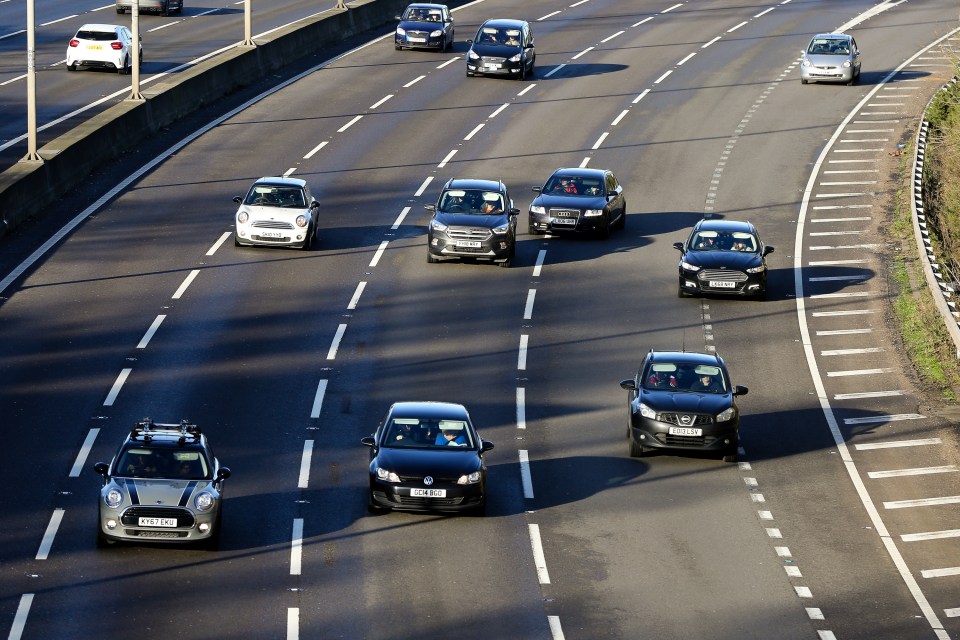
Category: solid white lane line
[47,542]
[318,399]
[498,111]
[867,394]
[477,128]
[709,43]
[356,295]
[304,481]
[922,502]
[355,120]
[603,136]
[423,187]
[293,623]
[843,332]
[216,245]
[851,312]
[538,558]
[413,82]
[883,419]
[522,356]
[447,159]
[917,471]
[528,309]
[399,220]
[930,535]
[332,352]
[539,264]
[115,389]
[296,547]
[525,478]
[850,352]
[919,442]
[840,247]
[940,573]
[847,219]
[315,150]
[838,278]
[842,294]
[20,618]
[85,449]
[44,24]
[821,234]
[583,53]
[832,263]
[380,101]
[379,253]
[521,408]
[556,632]
[145,340]
[858,372]
[185,284]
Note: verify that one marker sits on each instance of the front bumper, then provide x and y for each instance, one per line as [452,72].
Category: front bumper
[484,67]
[826,74]
[418,42]
[123,525]
[715,436]
[566,221]
[723,282]
[397,496]
[492,247]
[250,234]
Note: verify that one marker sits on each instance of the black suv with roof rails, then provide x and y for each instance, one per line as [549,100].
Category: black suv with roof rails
[683,400]
[473,219]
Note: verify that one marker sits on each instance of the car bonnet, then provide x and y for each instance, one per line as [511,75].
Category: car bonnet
[471,219]
[686,401]
[571,201]
[161,491]
[442,461]
[738,260]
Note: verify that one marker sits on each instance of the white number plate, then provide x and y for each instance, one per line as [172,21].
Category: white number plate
[416,39]
[157,522]
[475,244]
[723,284]
[491,65]
[271,234]
[428,493]
[570,221]
[685,431]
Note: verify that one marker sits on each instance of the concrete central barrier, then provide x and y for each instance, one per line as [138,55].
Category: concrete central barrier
[29,188]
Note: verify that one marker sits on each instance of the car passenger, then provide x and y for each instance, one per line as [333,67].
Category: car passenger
[451,438]
[706,383]
[662,380]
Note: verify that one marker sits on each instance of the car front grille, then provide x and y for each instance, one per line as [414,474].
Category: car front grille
[722,274]
[146,533]
[468,233]
[682,441]
[428,502]
[417,34]
[131,517]
[271,224]
[692,419]
[487,59]
[564,213]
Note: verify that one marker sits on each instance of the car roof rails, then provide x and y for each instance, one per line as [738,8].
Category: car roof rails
[146,428]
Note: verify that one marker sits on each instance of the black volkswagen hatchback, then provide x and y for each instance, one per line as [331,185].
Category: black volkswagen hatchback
[427,456]
[683,400]
[724,257]
[502,48]
[473,219]
[580,201]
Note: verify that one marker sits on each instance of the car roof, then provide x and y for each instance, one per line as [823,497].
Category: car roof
[690,357]
[426,5]
[289,182]
[148,433]
[428,409]
[580,172]
[834,36]
[504,22]
[726,225]
[474,183]
[100,27]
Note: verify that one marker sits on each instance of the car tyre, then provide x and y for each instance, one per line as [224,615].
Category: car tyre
[730,456]
[803,81]
[71,67]
[681,292]
[431,259]
[213,542]
[534,231]
[165,9]
[102,541]
[373,507]
[636,450]
[124,68]
[604,231]
[622,222]
[121,10]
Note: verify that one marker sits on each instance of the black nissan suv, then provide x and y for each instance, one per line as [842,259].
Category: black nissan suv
[473,219]
[683,400]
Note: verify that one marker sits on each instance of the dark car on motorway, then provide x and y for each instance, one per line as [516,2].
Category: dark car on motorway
[502,48]
[580,201]
[725,257]
[163,485]
[424,26]
[683,400]
[163,7]
[427,456]
[473,219]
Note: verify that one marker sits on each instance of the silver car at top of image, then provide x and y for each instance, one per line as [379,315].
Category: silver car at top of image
[830,57]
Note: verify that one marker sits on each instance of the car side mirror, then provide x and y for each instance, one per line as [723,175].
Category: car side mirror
[368,441]
[740,390]
[314,204]
[223,473]
[514,212]
[485,445]
[101,468]
[238,199]
[629,385]
[432,208]
[678,246]
[536,189]
[469,41]
[768,249]
[397,17]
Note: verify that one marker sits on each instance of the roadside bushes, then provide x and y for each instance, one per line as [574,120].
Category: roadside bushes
[941,183]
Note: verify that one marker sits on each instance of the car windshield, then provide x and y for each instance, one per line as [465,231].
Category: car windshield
[725,241]
[475,201]
[574,186]
[155,462]
[829,47]
[499,36]
[276,196]
[423,14]
[103,36]
[417,433]
[684,376]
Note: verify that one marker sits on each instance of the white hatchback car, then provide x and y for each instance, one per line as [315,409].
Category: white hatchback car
[108,46]
[278,212]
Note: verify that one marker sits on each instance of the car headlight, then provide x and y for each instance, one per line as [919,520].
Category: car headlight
[686,266]
[301,221]
[387,476]
[806,62]
[242,217]
[472,56]
[502,229]
[113,498]
[592,213]
[647,412]
[758,269]
[515,58]
[401,32]
[204,501]
[726,416]
[436,34]
[470,478]
[437,225]
[846,64]
[538,210]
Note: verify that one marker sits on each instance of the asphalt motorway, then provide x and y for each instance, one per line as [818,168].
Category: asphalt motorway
[288,358]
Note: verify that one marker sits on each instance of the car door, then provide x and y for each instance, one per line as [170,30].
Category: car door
[530,53]
[617,202]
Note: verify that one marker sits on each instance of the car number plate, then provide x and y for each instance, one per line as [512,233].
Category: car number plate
[492,65]
[473,244]
[685,431]
[157,522]
[723,284]
[569,221]
[428,493]
[95,47]
[271,234]
[416,39]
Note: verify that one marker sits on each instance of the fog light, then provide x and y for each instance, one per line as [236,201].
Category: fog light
[643,437]
[726,441]
[203,527]
[111,524]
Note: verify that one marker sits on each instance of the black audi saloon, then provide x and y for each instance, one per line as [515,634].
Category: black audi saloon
[587,201]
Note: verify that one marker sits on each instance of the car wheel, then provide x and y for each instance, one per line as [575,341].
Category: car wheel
[636,451]
[803,81]
[731,455]
[103,542]
[372,506]
[505,263]
[180,8]
[71,67]
[480,510]
[397,47]
[124,68]
[681,292]
[523,71]
[622,222]
[604,231]
[120,10]
[431,259]
[165,9]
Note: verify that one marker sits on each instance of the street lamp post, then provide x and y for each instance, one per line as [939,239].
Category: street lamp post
[135,66]
[248,24]
[32,155]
